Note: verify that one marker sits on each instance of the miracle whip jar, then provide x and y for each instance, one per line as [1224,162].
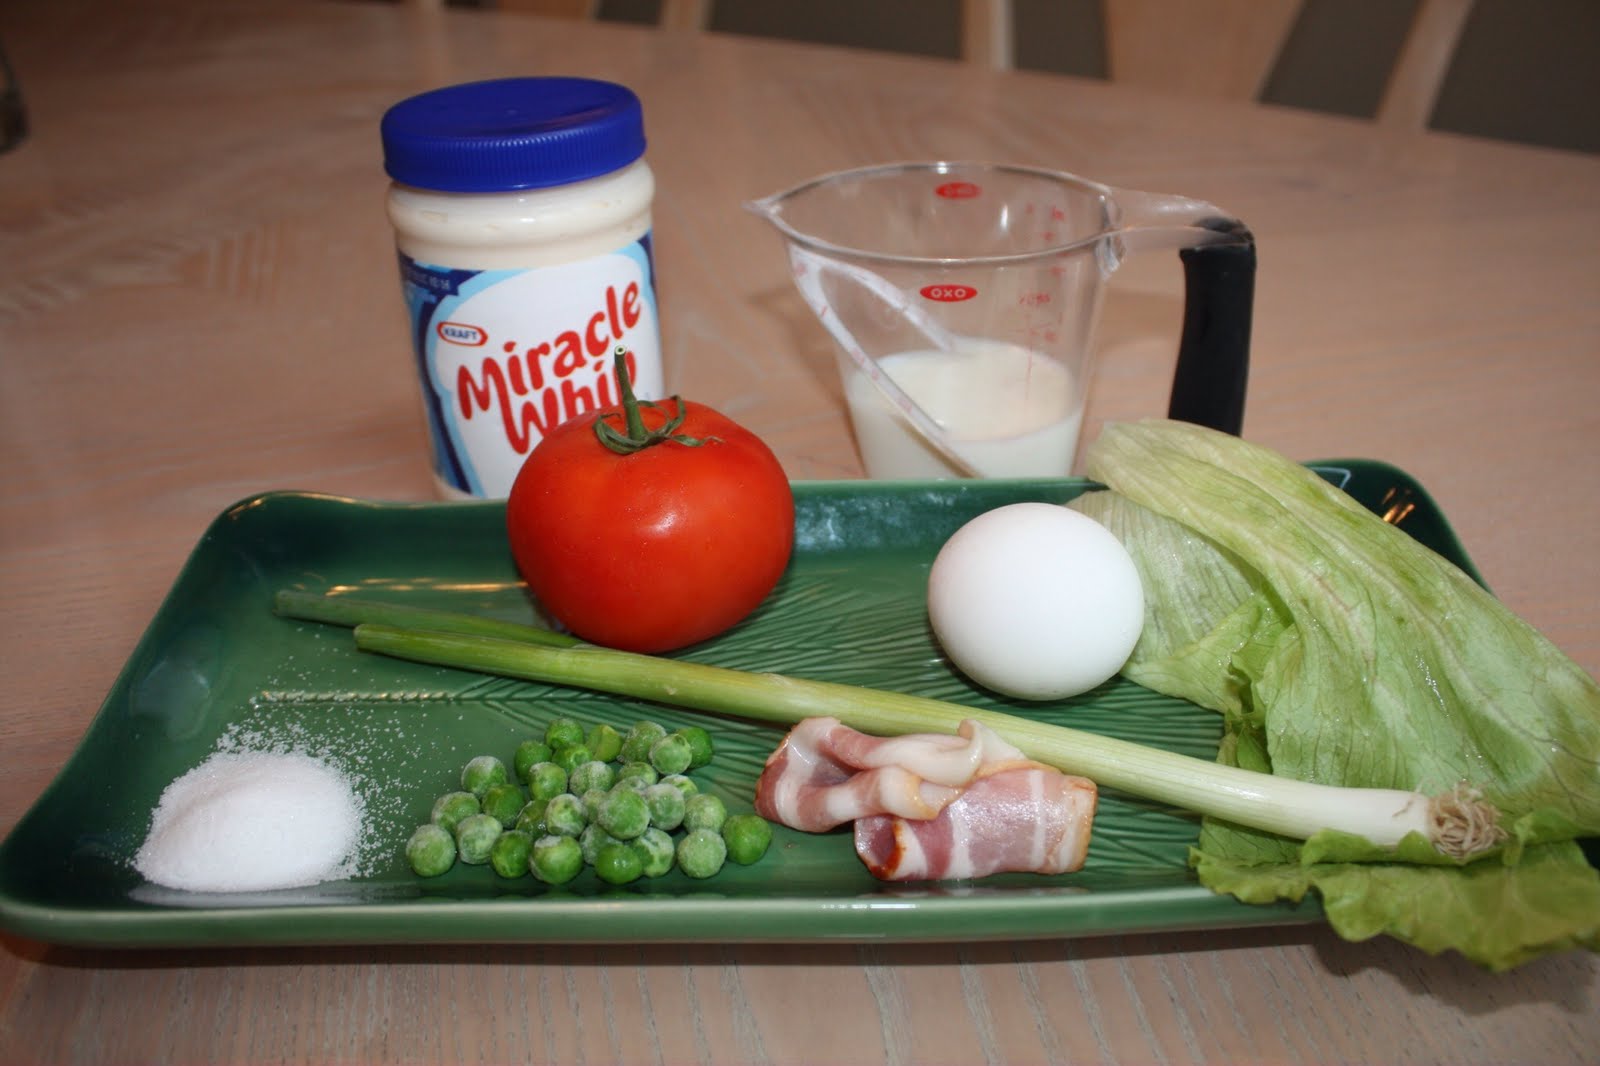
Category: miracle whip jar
[521,210]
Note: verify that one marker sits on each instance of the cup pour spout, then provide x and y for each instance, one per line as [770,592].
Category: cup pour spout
[828,284]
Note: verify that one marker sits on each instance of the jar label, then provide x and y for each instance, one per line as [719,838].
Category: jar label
[507,355]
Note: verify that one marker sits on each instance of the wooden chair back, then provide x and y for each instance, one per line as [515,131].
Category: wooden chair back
[1228,48]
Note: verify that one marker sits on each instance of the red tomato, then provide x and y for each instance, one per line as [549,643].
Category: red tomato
[659,548]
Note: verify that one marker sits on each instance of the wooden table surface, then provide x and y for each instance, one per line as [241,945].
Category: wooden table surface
[198,302]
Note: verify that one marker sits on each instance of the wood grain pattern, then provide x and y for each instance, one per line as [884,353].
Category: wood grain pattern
[198,303]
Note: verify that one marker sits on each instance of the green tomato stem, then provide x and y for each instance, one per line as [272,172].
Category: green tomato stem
[635,436]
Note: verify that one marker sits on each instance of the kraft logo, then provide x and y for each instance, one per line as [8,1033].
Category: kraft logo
[948,294]
[462,334]
[958,190]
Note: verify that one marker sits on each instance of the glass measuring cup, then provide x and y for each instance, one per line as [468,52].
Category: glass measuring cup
[963,299]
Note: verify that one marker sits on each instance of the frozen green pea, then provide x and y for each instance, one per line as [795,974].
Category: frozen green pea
[450,808]
[636,745]
[624,813]
[511,852]
[546,779]
[747,837]
[604,742]
[528,755]
[638,775]
[592,774]
[563,733]
[531,818]
[704,811]
[591,802]
[592,840]
[701,853]
[556,859]
[504,802]
[475,836]
[564,815]
[700,747]
[431,850]
[657,851]
[482,771]
[671,754]
[666,806]
[572,756]
[618,864]
[682,783]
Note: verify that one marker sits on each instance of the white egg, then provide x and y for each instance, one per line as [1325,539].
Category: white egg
[1036,601]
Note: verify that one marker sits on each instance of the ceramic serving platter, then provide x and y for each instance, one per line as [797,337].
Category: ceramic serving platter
[217,669]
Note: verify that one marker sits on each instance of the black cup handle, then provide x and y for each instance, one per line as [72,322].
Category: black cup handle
[1213,369]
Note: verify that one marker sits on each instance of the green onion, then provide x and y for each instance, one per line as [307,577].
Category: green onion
[1458,824]
[341,610]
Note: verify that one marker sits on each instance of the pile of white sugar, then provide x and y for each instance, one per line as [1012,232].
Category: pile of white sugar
[252,822]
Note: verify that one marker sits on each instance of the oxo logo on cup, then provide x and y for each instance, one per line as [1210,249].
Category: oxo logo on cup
[947,294]
[524,352]
[957,190]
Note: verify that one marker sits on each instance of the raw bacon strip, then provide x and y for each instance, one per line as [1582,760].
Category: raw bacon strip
[929,806]
[825,774]
[1023,817]
[935,757]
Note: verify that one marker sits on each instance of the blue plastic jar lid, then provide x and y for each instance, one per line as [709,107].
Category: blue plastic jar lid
[512,133]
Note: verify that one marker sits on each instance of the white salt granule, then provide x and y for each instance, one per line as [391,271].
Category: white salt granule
[251,822]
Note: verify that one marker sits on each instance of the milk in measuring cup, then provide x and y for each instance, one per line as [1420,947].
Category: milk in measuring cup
[1007,411]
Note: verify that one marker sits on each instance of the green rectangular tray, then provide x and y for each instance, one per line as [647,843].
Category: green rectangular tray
[216,663]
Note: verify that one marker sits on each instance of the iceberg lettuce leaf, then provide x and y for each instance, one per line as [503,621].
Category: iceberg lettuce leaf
[1499,916]
[1342,651]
